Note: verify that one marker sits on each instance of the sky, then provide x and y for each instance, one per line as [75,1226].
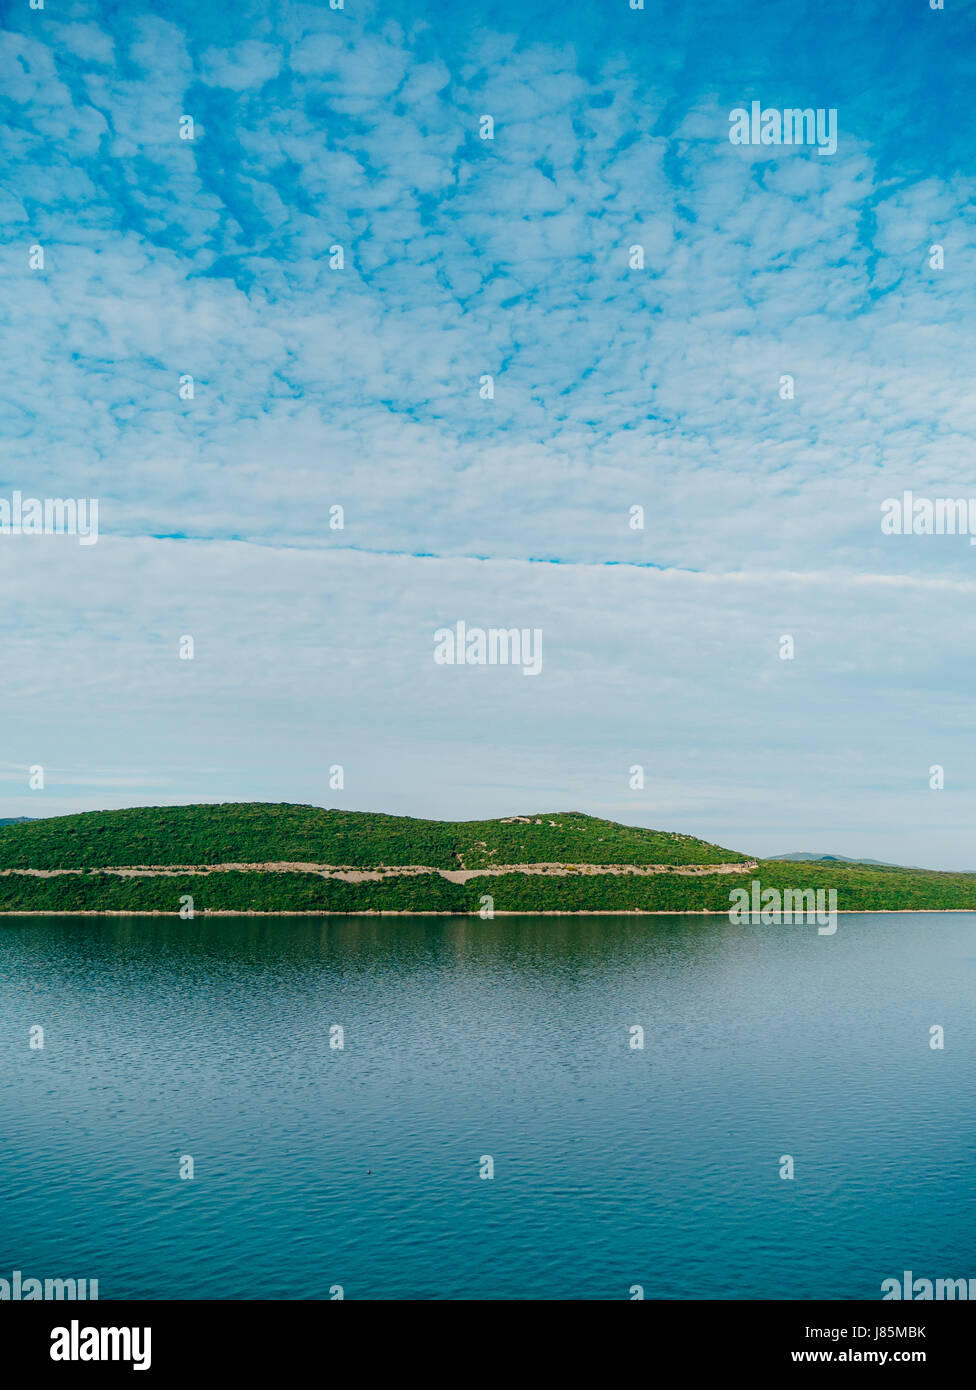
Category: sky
[612,387]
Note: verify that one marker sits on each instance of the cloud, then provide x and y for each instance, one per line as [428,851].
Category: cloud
[613,387]
[306,658]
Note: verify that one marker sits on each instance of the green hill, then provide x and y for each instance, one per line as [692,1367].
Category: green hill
[305,859]
[256,833]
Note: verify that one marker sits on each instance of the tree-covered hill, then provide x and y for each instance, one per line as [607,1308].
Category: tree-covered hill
[258,833]
[58,865]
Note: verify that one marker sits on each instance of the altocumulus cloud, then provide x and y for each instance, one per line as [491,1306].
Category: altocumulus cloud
[613,387]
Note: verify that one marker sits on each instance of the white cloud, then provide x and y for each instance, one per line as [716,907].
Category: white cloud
[613,387]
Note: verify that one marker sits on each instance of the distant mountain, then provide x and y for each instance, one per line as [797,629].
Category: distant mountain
[15,820]
[803,857]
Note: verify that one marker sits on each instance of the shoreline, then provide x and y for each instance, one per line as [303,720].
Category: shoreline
[601,912]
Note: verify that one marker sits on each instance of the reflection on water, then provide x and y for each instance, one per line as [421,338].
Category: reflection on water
[317,1166]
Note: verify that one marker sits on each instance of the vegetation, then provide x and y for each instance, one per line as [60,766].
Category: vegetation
[290,834]
[256,833]
[857,889]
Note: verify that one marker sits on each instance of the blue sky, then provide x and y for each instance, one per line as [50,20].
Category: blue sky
[614,387]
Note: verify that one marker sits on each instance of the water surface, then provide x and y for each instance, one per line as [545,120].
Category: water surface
[359,1167]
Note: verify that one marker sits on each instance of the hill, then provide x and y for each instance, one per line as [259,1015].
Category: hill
[255,832]
[252,857]
[804,857]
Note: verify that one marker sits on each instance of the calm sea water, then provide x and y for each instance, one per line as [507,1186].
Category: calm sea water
[612,1166]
